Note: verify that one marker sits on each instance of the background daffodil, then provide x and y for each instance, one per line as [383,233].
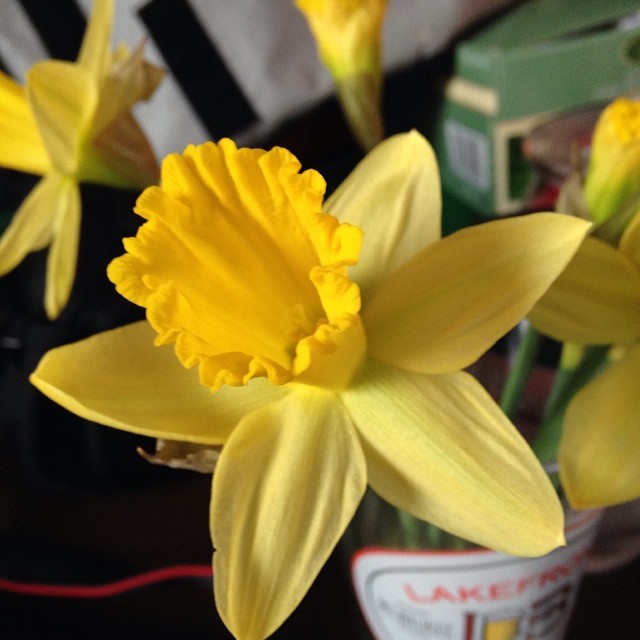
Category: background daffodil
[608,192]
[589,424]
[596,301]
[348,34]
[71,123]
[319,362]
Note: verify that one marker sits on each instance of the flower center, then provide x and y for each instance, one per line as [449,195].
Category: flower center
[238,266]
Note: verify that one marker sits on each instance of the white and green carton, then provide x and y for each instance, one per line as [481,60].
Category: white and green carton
[543,59]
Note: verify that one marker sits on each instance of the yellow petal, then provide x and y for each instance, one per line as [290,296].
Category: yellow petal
[287,483]
[21,146]
[452,302]
[439,448]
[118,378]
[32,225]
[65,208]
[393,195]
[596,300]
[630,240]
[95,51]
[601,438]
[63,99]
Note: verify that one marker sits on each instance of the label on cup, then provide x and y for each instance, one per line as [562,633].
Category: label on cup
[474,594]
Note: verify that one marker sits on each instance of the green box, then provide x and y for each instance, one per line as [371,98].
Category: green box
[542,59]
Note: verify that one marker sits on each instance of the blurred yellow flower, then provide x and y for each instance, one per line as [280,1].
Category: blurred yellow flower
[613,175]
[323,364]
[71,123]
[596,301]
[348,34]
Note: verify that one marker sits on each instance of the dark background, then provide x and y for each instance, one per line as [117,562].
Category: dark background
[100,536]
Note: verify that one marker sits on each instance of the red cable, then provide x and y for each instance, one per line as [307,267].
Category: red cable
[108,589]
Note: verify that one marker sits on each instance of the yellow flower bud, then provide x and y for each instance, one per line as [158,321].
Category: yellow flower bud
[613,176]
[348,34]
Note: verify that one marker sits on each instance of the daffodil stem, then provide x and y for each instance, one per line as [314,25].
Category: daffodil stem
[520,371]
[567,382]
[417,534]
[359,97]
[570,377]
[410,530]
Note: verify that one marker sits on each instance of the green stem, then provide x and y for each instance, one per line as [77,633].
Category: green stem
[567,382]
[521,368]
[359,97]
[410,530]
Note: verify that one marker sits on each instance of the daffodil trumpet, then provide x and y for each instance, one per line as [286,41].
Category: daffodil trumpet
[322,345]
[72,123]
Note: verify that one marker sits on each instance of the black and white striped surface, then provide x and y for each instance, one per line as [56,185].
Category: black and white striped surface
[237,67]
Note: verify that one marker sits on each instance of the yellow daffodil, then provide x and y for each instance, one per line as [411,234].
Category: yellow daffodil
[613,174]
[596,301]
[321,362]
[71,123]
[348,34]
